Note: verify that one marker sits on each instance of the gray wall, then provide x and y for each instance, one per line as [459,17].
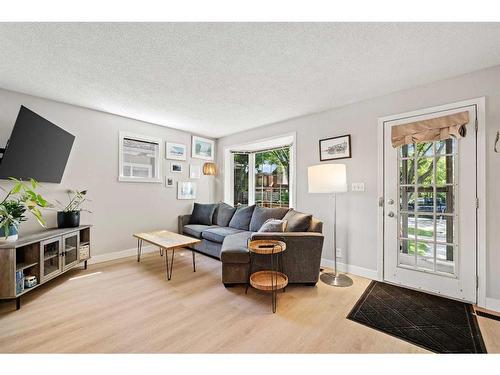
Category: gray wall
[357,221]
[119,208]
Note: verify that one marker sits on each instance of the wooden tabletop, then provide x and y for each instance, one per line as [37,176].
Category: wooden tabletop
[166,239]
[266,246]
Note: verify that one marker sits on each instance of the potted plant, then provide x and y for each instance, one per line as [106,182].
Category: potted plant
[20,198]
[69,217]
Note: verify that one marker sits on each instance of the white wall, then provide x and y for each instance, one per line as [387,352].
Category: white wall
[357,216]
[118,208]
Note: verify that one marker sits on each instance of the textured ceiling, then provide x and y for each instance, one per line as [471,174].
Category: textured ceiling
[220,78]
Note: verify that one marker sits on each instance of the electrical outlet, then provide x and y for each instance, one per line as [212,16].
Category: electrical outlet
[358,186]
[339,252]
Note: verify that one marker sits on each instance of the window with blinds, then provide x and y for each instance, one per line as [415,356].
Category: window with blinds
[140,158]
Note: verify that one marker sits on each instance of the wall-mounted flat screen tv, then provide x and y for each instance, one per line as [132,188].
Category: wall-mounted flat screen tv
[36,149]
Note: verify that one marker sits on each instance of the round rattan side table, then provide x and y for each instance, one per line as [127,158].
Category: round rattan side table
[268,280]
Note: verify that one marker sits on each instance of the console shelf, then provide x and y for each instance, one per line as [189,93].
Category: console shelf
[44,255]
[23,266]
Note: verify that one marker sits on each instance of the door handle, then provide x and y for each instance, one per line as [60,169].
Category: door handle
[390,214]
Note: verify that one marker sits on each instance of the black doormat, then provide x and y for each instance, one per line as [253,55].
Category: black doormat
[435,323]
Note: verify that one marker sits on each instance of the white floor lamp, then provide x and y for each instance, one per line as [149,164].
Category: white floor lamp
[330,179]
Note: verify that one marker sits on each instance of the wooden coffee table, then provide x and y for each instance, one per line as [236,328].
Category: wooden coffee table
[166,240]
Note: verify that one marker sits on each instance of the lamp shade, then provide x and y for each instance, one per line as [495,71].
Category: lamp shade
[209,169]
[327,178]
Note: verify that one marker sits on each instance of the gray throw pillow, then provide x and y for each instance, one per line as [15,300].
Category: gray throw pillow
[241,218]
[223,214]
[273,225]
[261,214]
[202,214]
[297,221]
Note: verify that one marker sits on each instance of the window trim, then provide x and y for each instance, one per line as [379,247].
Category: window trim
[288,139]
[158,165]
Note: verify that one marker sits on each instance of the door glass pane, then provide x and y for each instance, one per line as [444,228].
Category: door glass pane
[406,172]
[50,257]
[424,149]
[407,198]
[427,218]
[425,227]
[444,200]
[407,226]
[425,200]
[407,151]
[445,229]
[425,171]
[271,178]
[447,146]
[444,258]
[425,255]
[444,170]
[407,253]
[241,169]
[70,249]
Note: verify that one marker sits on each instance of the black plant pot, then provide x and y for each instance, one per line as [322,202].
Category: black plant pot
[70,219]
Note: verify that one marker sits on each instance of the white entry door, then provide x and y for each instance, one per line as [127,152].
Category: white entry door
[430,208]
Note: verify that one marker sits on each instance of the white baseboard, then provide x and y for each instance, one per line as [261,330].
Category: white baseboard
[120,254]
[349,268]
[492,304]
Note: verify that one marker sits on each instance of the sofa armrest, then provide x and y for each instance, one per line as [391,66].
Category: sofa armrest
[181,221]
[283,236]
[302,257]
[295,241]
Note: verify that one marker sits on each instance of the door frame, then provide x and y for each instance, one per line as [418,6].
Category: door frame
[479,103]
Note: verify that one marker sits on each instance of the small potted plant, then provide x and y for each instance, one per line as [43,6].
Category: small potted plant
[20,198]
[69,217]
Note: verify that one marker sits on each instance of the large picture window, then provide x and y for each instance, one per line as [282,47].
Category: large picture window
[272,172]
[140,158]
[262,177]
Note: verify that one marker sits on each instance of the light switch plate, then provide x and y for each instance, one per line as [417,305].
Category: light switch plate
[358,186]
[339,252]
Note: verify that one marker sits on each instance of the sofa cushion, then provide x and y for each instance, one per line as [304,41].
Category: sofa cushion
[202,214]
[218,234]
[195,230]
[223,214]
[273,225]
[234,248]
[261,214]
[297,221]
[241,218]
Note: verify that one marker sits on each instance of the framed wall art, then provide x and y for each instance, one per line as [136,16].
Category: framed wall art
[175,167]
[175,151]
[186,190]
[202,148]
[335,148]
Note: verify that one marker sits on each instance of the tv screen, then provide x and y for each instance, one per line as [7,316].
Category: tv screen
[36,149]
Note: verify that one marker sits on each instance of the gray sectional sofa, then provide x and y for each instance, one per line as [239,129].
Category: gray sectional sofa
[224,232]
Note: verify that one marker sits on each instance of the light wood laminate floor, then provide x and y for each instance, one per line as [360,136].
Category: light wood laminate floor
[127,307]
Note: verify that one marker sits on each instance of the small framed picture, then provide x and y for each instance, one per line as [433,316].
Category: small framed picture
[194,171]
[175,167]
[335,148]
[202,148]
[169,182]
[186,190]
[175,151]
